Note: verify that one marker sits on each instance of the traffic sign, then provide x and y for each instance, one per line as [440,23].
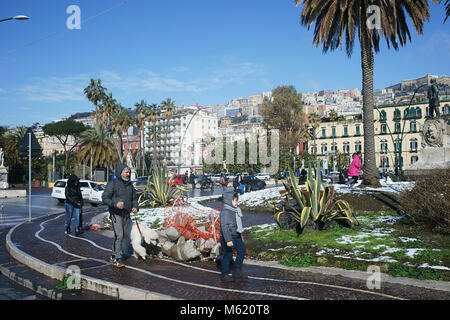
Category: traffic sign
[36,150]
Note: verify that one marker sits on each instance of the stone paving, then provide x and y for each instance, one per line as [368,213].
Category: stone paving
[43,246]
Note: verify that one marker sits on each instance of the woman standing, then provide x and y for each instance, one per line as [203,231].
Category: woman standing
[74,203]
[353,171]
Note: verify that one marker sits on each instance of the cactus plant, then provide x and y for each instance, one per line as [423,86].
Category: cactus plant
[315,203]
[159,192]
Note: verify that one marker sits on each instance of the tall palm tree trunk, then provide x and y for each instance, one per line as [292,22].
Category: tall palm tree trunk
[370,176]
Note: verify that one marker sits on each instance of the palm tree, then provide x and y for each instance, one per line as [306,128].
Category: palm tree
[169,107]
[95,93]
[336,19]
[141,112]
[120,122]
[154,112]
[108,107]
[12,139]
[98,147]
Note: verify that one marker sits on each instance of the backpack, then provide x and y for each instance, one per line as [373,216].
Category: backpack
[222,181]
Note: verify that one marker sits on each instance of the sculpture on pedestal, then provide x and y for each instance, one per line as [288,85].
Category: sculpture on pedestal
[433,98]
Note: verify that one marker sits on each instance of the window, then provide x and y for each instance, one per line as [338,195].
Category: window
[397,145]
[418,113]
[324,148]
[397,114]
[446,109]
[60,184]
[84,185]
[413,145]
[413,126]
[358,146]
[383,128]
[398,127]
[384,162]
[314,149]
[383,115]
[384,146]
[358,130]
[414,159]
[333,132]
[345,131]
[324,133]
[334,147]
[346,147]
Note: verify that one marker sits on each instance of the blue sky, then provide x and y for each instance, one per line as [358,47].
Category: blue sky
[201,51]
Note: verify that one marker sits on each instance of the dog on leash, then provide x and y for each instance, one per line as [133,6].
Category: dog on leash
[143,240]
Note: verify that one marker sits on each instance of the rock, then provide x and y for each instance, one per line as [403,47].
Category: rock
[167,246]
[175,252]
[215,251]
[189,251]
[172,234]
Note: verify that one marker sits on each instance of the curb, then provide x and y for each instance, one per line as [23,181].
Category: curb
[108,288]
[354,274]
[52,294]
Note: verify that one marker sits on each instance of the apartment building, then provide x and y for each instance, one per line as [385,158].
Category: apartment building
[396,126]
[191,132]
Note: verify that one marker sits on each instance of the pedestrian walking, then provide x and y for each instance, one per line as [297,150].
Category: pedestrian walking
[353,171]
[223,180]
[73,204]
[121,198]
[231,238]
[192,180]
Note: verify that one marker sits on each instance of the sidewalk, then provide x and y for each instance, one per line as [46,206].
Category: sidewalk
[43,247]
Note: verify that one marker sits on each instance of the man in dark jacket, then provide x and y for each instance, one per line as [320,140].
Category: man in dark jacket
[73,204]
[231,237]
[121,198]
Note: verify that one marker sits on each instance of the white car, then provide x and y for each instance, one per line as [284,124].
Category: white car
[263,176]
[91,191]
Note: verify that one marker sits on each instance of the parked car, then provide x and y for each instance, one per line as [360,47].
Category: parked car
[263,176]
[140,182]
[177,179]
[91,191]
[251,183]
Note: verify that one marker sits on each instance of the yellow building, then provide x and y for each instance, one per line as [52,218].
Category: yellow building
[395,126]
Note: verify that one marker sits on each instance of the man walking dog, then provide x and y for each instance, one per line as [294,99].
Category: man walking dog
[121,198]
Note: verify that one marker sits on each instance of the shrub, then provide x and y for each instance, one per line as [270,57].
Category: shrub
[427,204]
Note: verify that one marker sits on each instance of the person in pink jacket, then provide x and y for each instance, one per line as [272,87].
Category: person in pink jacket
[353,171]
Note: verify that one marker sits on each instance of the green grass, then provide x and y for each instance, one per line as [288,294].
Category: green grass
[301,250]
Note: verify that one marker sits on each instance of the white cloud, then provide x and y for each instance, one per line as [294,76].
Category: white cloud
[55,89]
[70,88]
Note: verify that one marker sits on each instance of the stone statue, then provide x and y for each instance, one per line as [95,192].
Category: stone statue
[2,157]
[432,133]
[129,160]
[433,98]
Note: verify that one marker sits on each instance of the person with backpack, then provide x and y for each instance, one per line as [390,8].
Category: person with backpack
[121,198]
[73,204]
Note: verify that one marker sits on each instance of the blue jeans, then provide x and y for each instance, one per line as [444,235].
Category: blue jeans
[70,211]
[239,246]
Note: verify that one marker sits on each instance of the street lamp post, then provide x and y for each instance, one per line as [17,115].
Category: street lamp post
[18,17]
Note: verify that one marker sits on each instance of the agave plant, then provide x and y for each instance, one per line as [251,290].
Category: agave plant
[315,203]
[159,191]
